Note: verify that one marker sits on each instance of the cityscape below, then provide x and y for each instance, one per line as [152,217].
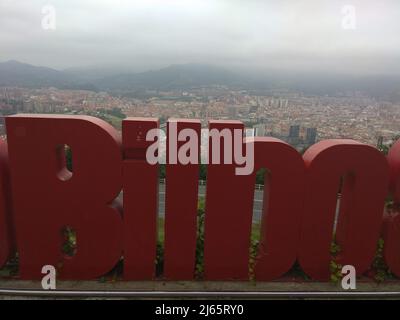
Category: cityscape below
[299,118]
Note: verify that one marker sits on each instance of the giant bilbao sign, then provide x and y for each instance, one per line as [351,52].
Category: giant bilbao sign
[39,198]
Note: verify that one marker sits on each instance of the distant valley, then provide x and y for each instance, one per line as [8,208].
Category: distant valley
[186,76]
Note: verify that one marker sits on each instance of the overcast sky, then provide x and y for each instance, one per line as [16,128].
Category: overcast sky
[144,34]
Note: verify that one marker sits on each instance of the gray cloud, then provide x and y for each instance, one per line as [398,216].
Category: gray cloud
[142,34]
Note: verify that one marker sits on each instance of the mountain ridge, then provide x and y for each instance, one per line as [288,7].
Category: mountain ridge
[186,76]
[15,73]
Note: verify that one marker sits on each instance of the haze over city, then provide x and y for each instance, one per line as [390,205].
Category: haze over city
[293,108]
[251,35]
[299,71]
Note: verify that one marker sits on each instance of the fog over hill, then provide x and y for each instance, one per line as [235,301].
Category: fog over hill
[17,74]
[173,77]
[186,76]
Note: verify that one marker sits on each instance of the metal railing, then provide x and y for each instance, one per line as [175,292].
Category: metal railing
[204,183]
[200,294]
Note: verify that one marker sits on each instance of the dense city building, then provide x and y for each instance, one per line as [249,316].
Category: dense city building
[299,119]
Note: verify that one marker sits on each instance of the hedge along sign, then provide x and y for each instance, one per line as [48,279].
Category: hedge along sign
[40,197]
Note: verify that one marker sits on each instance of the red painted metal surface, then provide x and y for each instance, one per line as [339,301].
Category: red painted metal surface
[282,210]
[298,213]
[140,180]
[228,216]
[181,201]
[47,199]
[394,163]
[358,229]
[282,206]
[391,230]
[391,237]
[7,240]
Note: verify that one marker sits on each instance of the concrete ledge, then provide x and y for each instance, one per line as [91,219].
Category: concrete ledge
[197,289]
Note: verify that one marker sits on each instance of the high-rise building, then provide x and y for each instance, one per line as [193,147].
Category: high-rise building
[232,112]
[259,130]
[294,131]
[380,142]
[311,135]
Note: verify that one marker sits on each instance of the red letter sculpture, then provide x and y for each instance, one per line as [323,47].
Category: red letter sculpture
[182,181]
[228,215]
[6,223]
[282,206]
[229,211]
[365,173]
[140,180]
[48,198]
[391,230]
